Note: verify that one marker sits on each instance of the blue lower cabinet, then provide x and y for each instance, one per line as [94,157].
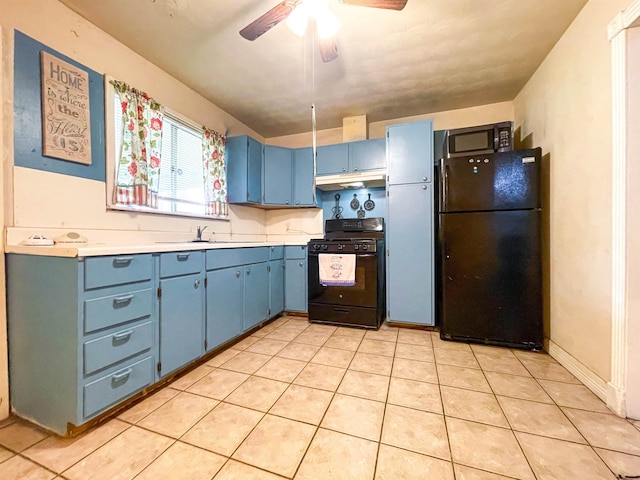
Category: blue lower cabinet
[256,294]
[296,285]
[225,305]
[181,321]
[276,287]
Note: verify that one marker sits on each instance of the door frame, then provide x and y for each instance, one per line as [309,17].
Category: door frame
[623,395]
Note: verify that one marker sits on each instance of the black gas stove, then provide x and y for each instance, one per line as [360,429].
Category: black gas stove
[361,304]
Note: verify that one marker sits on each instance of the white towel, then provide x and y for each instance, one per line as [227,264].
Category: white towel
[336,269]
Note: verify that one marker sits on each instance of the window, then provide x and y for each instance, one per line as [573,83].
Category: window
[181,186]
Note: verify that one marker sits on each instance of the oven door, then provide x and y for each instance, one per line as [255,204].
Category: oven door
[363,294]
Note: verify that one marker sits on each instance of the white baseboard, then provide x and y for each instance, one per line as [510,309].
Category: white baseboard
[579,370]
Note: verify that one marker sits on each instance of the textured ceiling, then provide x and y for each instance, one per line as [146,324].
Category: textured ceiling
[435,55]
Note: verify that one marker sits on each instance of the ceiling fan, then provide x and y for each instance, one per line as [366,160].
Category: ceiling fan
[299,13]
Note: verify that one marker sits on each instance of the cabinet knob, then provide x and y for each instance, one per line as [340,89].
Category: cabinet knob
[424,179]
[344,169]
[302,264]
[297,202]
[196,284]
[237,274]
[286,202]
[248,271]
[355,169]
[424,187]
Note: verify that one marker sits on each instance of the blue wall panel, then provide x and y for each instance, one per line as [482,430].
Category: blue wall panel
[327,201]
[28,114]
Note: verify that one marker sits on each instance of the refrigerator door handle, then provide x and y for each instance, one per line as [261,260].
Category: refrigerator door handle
[444,187]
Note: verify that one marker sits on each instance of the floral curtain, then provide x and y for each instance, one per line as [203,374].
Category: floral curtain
[138,171]
[214,169]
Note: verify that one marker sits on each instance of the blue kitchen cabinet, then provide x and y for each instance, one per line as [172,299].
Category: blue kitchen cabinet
[241,303]
[225,305]
[82,335]
[278,176]
[296,280]
[332,159]
[303,176]
[276,280]
[368,155]
[256,294]
[410,224]
[244,169]
[351,157]
[410,153]
[181,313]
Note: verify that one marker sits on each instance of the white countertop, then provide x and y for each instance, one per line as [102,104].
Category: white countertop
[97,249]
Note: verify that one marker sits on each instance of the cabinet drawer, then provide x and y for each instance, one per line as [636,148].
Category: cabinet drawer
[115,387]
[295,251]
[276,252]
[116,270]
[236,256]
[180,263]
[110,349]
[112,310]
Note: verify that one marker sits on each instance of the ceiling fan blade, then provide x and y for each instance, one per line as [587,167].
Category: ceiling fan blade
[328,49]
[387,4]
[270,19]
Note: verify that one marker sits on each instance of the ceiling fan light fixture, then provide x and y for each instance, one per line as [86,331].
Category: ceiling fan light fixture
[327,23]
[298,19]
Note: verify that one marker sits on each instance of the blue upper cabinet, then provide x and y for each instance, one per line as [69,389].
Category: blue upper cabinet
[367,155]
[303,192]
[410,153]
[244,169]
[278,176]
[332,159]
[351,157]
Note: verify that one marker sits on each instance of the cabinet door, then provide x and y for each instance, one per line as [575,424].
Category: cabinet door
[410,153]
[410,272]
[368,155]
[181,321]
[225,305]
[277,176]
[256,294]
[303,193]
[254,171]
[332,159]
[276,287]
[295,288]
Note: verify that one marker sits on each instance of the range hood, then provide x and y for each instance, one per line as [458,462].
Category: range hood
[371,179]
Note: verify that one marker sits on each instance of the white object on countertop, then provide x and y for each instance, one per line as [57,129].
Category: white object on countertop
[337,269]
[37,239]
[71,238]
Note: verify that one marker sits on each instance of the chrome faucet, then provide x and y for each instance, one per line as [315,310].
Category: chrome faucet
[199,231]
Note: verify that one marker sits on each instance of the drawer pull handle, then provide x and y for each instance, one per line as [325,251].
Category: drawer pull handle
[118,377]
[118,337]
[123,301]
[121,262]
[183,256]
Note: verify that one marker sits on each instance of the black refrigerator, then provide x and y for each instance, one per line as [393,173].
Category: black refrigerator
[490,249]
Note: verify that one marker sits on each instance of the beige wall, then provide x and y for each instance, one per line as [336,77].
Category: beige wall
[566,109]
[465,117]
[61,29]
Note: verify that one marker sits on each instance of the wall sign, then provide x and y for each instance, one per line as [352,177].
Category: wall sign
[66,128]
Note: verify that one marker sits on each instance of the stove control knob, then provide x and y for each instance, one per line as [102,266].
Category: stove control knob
[356,247]
[316,246]
[324,247]
[365,247]
[340,246]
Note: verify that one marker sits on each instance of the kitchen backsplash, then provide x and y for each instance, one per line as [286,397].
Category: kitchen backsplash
[367,202]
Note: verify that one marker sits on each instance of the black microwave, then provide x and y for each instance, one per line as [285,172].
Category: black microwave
[480,140]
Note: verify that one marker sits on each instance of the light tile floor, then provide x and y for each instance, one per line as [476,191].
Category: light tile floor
[304,401]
